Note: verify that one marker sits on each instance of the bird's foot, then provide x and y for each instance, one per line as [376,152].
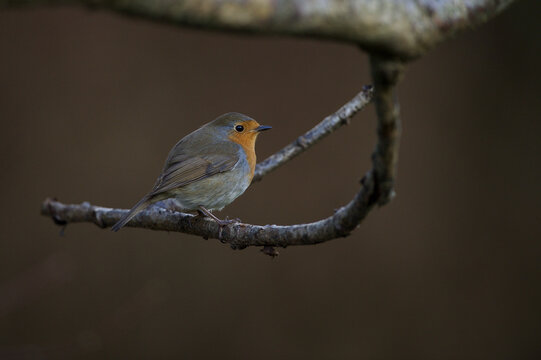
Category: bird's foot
[231,221]
[225,222]
[206,213]
[221,223]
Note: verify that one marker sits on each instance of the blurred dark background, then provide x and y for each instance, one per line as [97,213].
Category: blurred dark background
[90,104]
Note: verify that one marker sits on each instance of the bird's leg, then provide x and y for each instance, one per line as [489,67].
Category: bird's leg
[201,214]
[211,215]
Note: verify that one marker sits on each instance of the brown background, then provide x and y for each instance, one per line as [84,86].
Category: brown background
[90,104]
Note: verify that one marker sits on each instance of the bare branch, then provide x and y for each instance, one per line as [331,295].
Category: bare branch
[330,124]
[400,28]
[386,74]
[237,235]
[376,188]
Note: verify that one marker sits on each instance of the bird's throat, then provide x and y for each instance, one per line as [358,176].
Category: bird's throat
[247,141]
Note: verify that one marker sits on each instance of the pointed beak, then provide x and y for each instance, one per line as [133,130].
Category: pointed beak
[262,128]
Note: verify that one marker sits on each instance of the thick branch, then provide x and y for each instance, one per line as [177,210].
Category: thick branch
[386,74]
[400,28]
[330,124]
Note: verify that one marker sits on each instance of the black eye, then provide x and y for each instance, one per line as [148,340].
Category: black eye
[239,128]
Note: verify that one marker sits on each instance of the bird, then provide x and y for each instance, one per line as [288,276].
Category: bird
[207,169]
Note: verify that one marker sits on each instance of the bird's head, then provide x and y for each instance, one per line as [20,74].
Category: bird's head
[239,128]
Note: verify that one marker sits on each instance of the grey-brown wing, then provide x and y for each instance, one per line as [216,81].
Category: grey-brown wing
[181,170]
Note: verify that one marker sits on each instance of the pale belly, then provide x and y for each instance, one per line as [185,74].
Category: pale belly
[214,192]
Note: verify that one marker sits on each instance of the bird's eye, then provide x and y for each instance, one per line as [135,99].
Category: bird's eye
[239,128]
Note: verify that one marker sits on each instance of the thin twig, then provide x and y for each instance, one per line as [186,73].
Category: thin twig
[330,124]
[341,223]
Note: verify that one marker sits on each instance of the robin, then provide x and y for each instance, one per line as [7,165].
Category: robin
[207,169]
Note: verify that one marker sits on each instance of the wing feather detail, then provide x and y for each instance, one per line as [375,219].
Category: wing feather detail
[183,169]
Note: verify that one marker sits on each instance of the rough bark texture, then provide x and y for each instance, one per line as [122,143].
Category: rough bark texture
[397,28]
[386,73]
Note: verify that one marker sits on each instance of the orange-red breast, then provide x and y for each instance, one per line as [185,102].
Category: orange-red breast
[207,169]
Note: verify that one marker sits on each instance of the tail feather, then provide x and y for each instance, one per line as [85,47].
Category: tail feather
[136,209]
